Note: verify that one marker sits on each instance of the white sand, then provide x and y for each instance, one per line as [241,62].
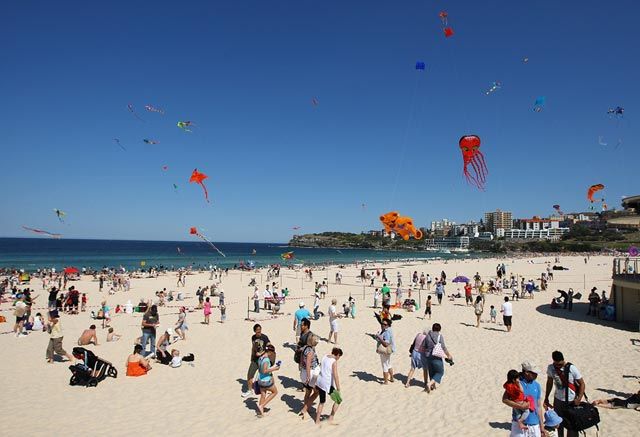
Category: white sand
[205,399]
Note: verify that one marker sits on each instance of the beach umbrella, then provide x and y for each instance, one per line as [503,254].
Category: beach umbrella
[633,251]
[461,279]
[71,270]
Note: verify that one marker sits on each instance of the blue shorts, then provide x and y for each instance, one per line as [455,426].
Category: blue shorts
[417,360]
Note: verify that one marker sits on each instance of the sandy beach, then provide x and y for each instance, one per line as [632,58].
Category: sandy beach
[206,398]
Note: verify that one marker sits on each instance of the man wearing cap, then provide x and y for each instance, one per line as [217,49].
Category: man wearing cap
[532,388]
[569,385]
[301,313]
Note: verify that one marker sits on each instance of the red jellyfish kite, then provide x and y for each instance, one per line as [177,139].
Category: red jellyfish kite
[472,156]
[592,190]
[194,231]
[198,178]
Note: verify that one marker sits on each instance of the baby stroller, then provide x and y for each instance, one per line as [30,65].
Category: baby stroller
[92,370]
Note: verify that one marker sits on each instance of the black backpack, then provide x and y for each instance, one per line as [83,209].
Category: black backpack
[578,417]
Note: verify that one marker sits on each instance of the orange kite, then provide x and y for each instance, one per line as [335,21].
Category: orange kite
[199,178]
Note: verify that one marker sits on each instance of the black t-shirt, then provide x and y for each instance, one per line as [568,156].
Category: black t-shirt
[258,344]
[52,295]
[304,338]
[149,319]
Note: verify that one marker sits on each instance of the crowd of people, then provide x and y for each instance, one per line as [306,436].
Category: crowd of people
[319,376]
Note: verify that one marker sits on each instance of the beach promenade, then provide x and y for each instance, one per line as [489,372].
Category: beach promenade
[205,398]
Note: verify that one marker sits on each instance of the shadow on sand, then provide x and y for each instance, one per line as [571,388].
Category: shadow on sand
[366,376]
[500,425]
[579,314]
[289,382]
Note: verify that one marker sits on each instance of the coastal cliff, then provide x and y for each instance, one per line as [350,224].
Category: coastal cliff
[346,240]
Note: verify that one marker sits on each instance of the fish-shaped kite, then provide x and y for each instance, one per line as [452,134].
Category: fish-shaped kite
[130,107]
[185,125]
[153,109]
[60,214]
[194,231]
[40,231]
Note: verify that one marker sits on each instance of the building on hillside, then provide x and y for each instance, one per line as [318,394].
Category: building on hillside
[498,220]
[538,234]
[441,228]
[447,243]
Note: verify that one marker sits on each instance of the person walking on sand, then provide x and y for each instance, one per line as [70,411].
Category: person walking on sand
[309,371]
[427,308]
[181,325]
[55,337]
[478,309]
[266,381]
[439,291]
[418,359]
[333,322]
[207,310]
[259,342]
[531,388]
[329,383]
[507,313]
[570,388]
[433,354]
[386,346]
[256,299]
[301,313]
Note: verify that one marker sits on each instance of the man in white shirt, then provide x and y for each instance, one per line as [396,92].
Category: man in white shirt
[267,298]
[507,313]
[256,299]
[570,388]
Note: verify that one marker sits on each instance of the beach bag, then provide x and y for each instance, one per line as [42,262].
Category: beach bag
[386,350]
[578,417]
[438,350]
[581,417]
[336,397]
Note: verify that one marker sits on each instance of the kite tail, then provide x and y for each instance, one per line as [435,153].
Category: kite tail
[206,193]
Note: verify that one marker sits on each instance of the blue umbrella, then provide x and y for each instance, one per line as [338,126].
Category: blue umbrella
[461,279]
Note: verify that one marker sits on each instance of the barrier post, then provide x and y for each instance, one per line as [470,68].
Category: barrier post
[248,301]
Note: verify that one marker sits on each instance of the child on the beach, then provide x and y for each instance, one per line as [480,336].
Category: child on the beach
[112,336]
[83,306]
[493,313]
[223,313]
[207,310]
[551,423]
[352,307]
[376,297]
[514,392]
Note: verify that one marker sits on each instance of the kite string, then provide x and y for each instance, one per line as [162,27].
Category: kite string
[404,139]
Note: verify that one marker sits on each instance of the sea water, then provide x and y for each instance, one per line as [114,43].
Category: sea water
[34,253]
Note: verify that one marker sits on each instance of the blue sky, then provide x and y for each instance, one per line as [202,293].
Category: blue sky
[245,72]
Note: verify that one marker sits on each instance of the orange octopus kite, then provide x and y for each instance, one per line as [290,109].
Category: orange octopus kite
[199,178]
[403,226]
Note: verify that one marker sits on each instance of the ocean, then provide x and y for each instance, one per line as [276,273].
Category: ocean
[34,253]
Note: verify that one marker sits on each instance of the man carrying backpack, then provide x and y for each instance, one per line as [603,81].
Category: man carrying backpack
[570,387]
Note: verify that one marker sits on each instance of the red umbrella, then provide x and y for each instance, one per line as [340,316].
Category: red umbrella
[71,270]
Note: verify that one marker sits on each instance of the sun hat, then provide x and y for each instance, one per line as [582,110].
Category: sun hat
[551,419]
[528,366]
[301,304]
